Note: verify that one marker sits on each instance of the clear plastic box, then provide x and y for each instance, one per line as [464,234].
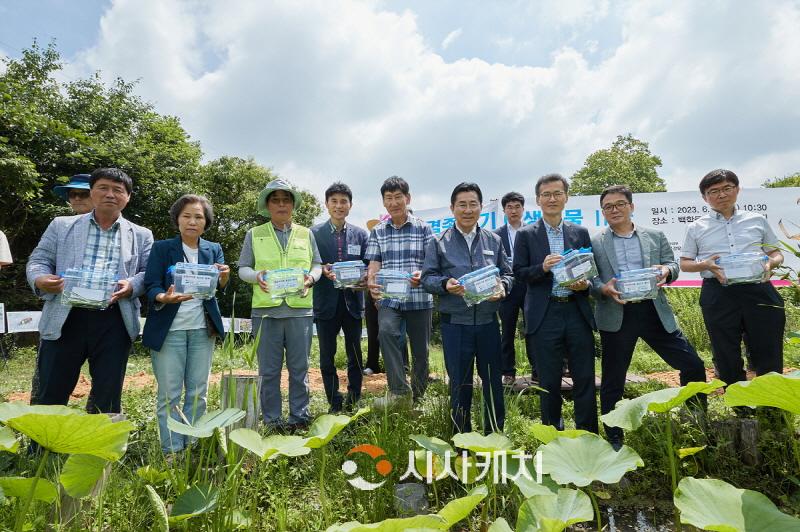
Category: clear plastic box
[88,288]
[576,265]
[286,282]
[744,268]
[480,285]
[196,280]
[348,273]
[638,285]
[395,284]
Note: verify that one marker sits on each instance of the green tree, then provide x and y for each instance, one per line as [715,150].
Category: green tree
[627,162]
[792,180]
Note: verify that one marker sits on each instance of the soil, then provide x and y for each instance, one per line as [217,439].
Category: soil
[672,378]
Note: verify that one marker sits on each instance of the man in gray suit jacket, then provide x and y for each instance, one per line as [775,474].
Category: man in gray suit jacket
[622,247]
[101,240]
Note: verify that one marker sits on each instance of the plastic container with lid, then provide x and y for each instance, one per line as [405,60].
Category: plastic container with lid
[744,268]
[88,288]
[348,273]
[480,285]
[285,282]
[196,280]
[638,285]
[575,265]
[395,284]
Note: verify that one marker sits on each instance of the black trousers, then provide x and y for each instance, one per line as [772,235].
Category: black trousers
[730,311]
[509,311]
[640,320]
[565,332]
[327,334]
[97,335]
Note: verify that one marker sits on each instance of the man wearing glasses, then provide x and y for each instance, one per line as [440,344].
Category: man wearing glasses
[728,311]
[76,193]
[559,318]
[623,246]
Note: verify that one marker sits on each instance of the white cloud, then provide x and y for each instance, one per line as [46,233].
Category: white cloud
[350,90]
[451,37]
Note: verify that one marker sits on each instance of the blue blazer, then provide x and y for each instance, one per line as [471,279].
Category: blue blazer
[530,248]
[164,254]
[326,296]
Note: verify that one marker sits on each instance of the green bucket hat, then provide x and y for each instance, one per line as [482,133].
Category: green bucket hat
[272,186]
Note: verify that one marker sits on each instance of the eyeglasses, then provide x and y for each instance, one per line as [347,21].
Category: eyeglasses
[611,207]
[715,192]
[555,195]
[75,194]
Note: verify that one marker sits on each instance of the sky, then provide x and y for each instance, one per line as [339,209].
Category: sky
[446,91]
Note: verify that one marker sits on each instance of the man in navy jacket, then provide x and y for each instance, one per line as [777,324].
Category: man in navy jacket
[339,309]
[559,318]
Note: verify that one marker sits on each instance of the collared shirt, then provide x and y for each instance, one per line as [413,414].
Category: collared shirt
[102,247]
[340,239]
[628,250]
[469,237]
[402,248]
[712,234]
[555,237]
[512,237]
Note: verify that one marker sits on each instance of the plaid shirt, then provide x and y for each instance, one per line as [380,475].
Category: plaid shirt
[402,249]
[102,248]
[555,237]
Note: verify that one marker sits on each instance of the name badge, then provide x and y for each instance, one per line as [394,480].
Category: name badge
[353,249]
[488,252]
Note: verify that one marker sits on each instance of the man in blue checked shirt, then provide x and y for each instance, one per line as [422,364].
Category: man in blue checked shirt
[399,244]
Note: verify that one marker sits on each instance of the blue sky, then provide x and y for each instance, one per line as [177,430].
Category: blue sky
[439,92]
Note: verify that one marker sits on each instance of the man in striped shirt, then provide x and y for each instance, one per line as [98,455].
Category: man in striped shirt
[399,244]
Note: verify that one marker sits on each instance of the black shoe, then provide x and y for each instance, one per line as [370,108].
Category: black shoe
[294,428]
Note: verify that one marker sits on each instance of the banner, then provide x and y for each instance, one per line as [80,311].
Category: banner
[670,212]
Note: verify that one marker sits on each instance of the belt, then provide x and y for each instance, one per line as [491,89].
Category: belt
[561,299]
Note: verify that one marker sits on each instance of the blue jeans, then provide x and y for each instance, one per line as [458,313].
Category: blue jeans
[184,362]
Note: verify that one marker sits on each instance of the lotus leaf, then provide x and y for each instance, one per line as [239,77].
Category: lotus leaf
[76,433]
[555,511]
[271,446]
[456,510]
[547,433]
[18,408]
[433,444]
[197,500]
[204,427]
[80,474]
[689,451]
[711,504]
[478,443]
[21,486]
[585,459]
[8,440]
[629,413]
[501,525]
[772,389]
[421,463]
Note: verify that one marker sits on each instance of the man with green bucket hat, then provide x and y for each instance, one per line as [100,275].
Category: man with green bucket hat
[285,320]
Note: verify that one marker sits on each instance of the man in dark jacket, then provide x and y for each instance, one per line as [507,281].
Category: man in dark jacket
[469,333]
[339,309]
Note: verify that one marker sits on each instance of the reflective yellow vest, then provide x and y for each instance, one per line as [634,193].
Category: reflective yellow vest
[270,255]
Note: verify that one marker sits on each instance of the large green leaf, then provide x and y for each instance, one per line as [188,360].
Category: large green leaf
[151,475]
[526,480]
[555,511]
[585,459]
[197,500]
[629,413]
[18,408]
[418,523]
[21,486]
[772,389]
[271,446]
[548,433]
[326,426]
[711,504]
[500,525]
[204,427]
[433,444]
[421,463]
[80,474]
[161,521]
[8,440]
[478,443]
[456,510]
[92,434]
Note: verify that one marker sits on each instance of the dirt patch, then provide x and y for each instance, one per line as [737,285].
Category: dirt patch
[142,379]
[673,380]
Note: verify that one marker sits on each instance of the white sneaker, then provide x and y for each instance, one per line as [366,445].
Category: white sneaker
[368,371]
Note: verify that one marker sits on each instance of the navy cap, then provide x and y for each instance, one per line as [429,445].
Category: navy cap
[80,182]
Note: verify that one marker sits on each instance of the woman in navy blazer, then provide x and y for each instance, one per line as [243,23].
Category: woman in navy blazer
[180,329]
